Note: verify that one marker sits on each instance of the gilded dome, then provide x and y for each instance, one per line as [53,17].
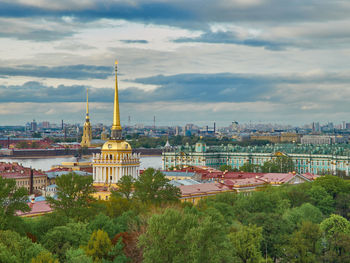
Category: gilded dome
[116,146]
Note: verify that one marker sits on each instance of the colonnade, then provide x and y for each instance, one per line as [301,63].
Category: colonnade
[111,169]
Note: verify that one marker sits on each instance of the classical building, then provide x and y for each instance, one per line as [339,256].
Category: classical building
[307,158]
[116,158]
[22,175]
[87,133]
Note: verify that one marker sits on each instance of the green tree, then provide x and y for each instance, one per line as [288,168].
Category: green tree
[125,185]
[335,224]
[251,168]
[73,195]
[337,232]
[337,249]
[270,167]
[61,238]
[116,254]
[208,241]
[12,199]
[342,204]
[305,212]
[203,238]
[296,194]
[44,257]
[99,245]
[39,226]
[275,231]
[160,242]
[105,223]
[333,185]
[321,199]
[226,167]
[77,256]
[152,186]
[246,242]
[303,244]
[14,248]
[280,164]
[117,205]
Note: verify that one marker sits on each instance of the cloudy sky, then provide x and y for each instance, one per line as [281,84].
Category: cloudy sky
[184,61]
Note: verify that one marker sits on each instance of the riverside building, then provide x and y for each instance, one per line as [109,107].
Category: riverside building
[315,159]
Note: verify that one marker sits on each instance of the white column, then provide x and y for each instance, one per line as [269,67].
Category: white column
[104,175]
[113,175]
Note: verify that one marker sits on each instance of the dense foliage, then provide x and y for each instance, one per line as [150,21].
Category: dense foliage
[144,222]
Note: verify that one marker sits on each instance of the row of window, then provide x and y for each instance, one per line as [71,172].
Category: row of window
[27,182]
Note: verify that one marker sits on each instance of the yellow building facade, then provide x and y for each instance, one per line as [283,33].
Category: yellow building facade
[116,158]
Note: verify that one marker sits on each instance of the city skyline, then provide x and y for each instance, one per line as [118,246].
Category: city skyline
[253,60]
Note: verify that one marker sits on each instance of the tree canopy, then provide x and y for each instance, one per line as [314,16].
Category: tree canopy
[73,194]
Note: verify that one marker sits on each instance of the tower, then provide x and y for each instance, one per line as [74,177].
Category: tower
[116,158]
[87,133]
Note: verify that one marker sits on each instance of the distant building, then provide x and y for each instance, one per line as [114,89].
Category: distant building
[277,138]
[33,126]
[318,159]
[104,134]
[322,139]
[45,124]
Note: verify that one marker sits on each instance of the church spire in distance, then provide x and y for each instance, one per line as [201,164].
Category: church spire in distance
[87,105]
[116,133]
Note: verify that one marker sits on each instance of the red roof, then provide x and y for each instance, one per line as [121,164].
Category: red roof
[203,188]
[37,208]
[245,182]
[15,170]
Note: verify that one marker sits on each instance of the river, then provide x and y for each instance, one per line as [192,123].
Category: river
[46,163]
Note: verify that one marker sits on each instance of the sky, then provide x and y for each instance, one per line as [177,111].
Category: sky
[183,61]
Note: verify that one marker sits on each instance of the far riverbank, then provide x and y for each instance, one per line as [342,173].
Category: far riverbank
[50,153]
[46,163]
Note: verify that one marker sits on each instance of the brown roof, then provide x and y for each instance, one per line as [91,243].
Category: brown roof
[207,188]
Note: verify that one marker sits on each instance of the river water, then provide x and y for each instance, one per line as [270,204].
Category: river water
[46,163]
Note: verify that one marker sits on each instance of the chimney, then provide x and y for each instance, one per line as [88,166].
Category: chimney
[31,181]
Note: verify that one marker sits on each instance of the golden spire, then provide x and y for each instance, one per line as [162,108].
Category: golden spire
[87,104]
[116,127]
